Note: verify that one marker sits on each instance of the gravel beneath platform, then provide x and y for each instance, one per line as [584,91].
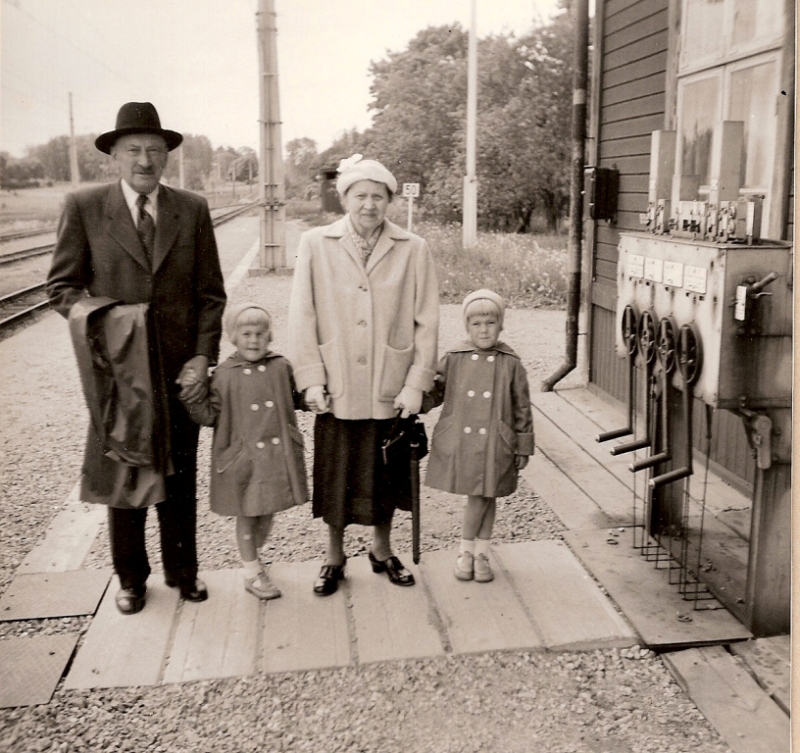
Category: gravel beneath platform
[603,701]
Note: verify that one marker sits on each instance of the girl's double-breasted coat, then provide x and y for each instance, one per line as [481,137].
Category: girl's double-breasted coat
[257,463]
[485,422]
[363,332]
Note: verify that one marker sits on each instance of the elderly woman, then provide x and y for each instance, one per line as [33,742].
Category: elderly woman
[363,322]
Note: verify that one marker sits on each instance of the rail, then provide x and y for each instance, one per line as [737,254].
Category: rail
[22,304]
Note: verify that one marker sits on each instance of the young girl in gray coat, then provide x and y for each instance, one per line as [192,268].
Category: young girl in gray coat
[485,432]
[257,464]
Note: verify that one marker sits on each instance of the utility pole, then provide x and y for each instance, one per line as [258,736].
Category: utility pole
[470,208]
[74,175]
[271,191]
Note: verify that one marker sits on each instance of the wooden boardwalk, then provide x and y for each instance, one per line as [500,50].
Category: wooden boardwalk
[367,620]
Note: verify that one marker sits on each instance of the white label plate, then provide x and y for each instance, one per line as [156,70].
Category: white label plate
[673,274]
[636,265]
[694,279]
[654,269]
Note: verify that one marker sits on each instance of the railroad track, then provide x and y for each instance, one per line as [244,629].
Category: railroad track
[26,234]
[23,304]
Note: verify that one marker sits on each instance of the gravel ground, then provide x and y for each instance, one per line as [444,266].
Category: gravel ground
[604,701]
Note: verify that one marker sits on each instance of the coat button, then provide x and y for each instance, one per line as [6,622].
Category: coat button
[487,394]
[254,406]
[260,445]
[490,359]
[276,440]
[362,323]
[467,430]
[269,403]
[246,371]
[261,367]
[362,359]
[470,393]
[482,430]
[474,356]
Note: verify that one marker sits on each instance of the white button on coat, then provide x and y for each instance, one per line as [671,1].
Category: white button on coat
[261,367]
[247,371]
[260,445]
[471,393]
[487,394]
[467,430]
[254,406]
[474,356]
[269,404]
[482,430]
[276,440]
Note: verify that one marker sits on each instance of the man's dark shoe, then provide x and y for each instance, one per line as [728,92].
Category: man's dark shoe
[192,591]
[131,600]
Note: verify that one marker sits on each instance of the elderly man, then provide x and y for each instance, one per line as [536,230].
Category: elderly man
[137,241]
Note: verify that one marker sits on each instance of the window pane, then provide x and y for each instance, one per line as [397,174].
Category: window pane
[697,117]
[756,22]
[753,94]
[702,26]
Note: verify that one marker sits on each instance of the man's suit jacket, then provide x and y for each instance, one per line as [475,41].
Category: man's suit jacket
[98,253]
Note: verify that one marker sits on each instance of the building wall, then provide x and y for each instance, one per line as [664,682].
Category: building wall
[633,96]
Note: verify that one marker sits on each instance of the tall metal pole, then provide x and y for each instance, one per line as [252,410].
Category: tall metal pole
[74,175]
[271,193]
[470,208]
[579,81]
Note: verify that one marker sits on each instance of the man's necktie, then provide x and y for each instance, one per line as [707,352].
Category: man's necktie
[146,228]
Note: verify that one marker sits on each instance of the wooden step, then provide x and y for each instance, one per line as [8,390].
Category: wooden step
[566,605]
[744,715]
[126,650]
[391,622]
[477,616]
[650,603]
[769,661]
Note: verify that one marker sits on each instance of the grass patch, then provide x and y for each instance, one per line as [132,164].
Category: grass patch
[527,270]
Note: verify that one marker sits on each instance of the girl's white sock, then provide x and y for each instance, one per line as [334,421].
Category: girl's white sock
[251,569]
[467,545]
[482,547]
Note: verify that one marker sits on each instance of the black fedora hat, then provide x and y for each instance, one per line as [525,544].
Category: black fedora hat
[137,117]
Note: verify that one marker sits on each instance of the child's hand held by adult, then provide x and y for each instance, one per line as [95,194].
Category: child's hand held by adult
[317,399]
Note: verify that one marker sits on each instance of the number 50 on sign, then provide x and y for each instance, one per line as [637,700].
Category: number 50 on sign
[410,190]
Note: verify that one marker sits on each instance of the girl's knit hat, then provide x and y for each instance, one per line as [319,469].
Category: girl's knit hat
[483,294]
[232,314]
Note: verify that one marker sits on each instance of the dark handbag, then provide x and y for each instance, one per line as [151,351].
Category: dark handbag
[404,433]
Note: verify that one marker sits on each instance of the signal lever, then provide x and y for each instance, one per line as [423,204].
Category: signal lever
[646,342]
[630,320]
[690,362]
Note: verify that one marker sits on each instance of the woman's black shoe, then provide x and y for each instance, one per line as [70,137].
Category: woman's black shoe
[328,579]
[393,568]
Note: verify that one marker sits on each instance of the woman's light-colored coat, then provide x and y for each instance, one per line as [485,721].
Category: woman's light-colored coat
[257,464]
[363,333]
[485,422]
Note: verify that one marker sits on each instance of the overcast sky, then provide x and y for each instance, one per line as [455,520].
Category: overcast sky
[196,60]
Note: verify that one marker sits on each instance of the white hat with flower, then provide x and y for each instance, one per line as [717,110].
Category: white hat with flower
[356,168]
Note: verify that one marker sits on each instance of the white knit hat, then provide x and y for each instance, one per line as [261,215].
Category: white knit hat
[232,314]
[355,168]
[484,294]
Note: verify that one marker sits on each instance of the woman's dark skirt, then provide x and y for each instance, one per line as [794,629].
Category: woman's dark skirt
[351,482]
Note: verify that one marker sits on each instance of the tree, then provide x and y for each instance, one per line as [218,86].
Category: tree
[301,155]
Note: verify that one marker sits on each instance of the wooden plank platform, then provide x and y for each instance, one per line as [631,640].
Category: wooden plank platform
[611,495]
[651,604]
[745,716]
[36,596]
[569,502]
[301,630]
[566,605]
[69,538]
[125,650]
[769,661]
[31,667]
[391,622]
[217,637]
[477,616]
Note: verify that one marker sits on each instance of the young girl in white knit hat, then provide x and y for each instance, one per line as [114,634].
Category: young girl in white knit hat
[257,465]
[485,432]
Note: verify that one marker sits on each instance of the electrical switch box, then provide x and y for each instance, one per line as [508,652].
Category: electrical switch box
[739,299]
[602,190]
